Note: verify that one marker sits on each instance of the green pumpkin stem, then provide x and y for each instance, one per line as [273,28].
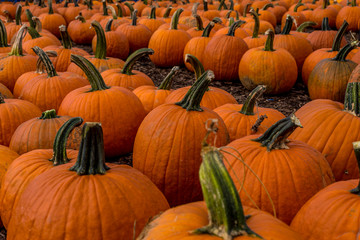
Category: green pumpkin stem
[80,18]
[120,11]
[298,5]
[266,6]
[3,36]
[246,9]
[257,23]
[50,69]
[113,12]
[33,33]
[249,105]
[134,17]
[231,21]
[91,158]
[51,10]
[288,25]
[59,147]
[96,81]
[339,36]
[18,15]
[49,114]
[269,44]
[233,27]
[29,17]
[16,49]
[152,14]
[175,19]
[276,136]
[231,7]
[130,61]
[305,25]
[325,4]
[356,146]
[66,40]
[205,4]
[325,24]
[227,219]
[195,64]
[199,23]
[100,50]
[108,25]
[167,82]
[167,12]
[192,99]
[352,98]
[105,12]
[353,3]
[342,54]
[208,28]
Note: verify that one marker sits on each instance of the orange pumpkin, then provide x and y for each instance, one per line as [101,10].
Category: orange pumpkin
[324,11]
[152,23]
[296,15]
[52,21]
[255,40]
[80,30]
[350,14]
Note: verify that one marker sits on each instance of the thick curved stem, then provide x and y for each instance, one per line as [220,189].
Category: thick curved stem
[325,4]
[298,5]
[167,82]
[105,12]
[152,13]
[113,12]
[175,19]
[325,23]
[16,49]
[38,25]
[196,65]
[50,69]
[49,114]
[339,36]
[249,105]
[80,18]
[266,6]
[91,158]
[66,41]
[3,36]
[120,11]
[246,9]
[257,23]
[108,25]
[269,44]
[51,10]
[305,25]
[18,15]
[167,12]
[208,28]
[353,3]
[233,27]
[100,50]
[96,81]
[205,3]
[130,61]
[288,25]
[59,147]
[134,17]
[352,98]
[342,54]
[29,17]
[276,136]
[199,23]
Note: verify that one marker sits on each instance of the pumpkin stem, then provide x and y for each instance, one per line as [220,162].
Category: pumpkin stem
[194,8]
[339,35]
[352,98]
[266,6]
[3,36]
[91,158]
[246,9]
[227,219]
[130,61]
[257,23]
[29,17]
[233,27]
[38,24]
[199,23]
[33,32]
[105,12]
[50,69]
[325,4]
[96,81]
[195,64]
[49,114]
[269,44]
[80,18]
[120,11]
[288,25]
[59,147]
[207,30]
[249,105]
[18,15]
[16,49]
[205,3]
[231,21]
[325,23]
[51,10]
[353,3]
[108,25]
[342,54]
[152,14]
[305,25]
[2,98]
[131,8]
[166,83]
[356,146]
[231,7]
[66,41]
[175,19]
[134,17]
[100,51]
[192,99]
[276,136]
[113,12]
[167,12]
[298,5]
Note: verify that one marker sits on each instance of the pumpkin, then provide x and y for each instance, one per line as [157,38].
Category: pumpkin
[209,13]
[296,165]
[16,60]
[325,11]
[330,76]
[278,10]
[152,23]
[52,21]
[296,15]
[301,29]
[39,133]
[198,30]
[324,122]
[62,61]
[100,61]
[5,91]
[117,43]
[225,68]
[169,44]
[356,57]
[101,14]
[221,216]
[340,200]
[116,20]
[127,77]
[89,11]
[47,92]
[151,96]
[258,65]
[244,119]
[29,165]
[213,97]
[266,15]
[112,104]
[263,25]
[239,32]
[350,14]
[80,30]
[255,40]
[115,183]
[7,157]
[176,130]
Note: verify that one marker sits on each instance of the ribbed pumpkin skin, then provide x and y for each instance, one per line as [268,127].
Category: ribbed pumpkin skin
[323,39]
[329,79]
[330,130]
[151,97]
[356,56]
[20,173]
[168,46]
[167,150]
[118,109]
[13,67]
[13,113]
[113,77]
[196,46]
[5,91]
[292,176]
[41,42]
[102,206]
[62,61]
[22,80]
[138,36]
[81,33]
[275,69]
[7,156]
[39,133]
[52,22]
[177,223]
[351,15]
[222,55]
[213,98]
[239,125]
[312,221]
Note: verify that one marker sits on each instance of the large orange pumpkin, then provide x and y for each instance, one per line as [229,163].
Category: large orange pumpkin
[121,195]
[350,14]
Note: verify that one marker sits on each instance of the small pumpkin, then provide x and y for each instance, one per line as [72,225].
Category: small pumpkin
[80,30]
[52,21]
[152,23]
